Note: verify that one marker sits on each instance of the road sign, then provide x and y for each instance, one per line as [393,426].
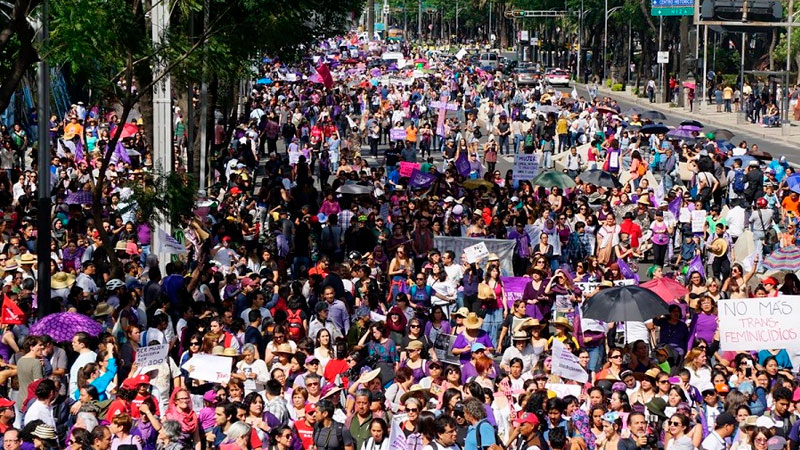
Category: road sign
[386,9]
[672,7]
[663,58]
[523,35]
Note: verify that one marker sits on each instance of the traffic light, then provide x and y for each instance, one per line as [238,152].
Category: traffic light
[515,14]
[733,10]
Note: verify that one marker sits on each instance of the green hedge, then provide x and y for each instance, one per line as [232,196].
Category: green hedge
[617,87]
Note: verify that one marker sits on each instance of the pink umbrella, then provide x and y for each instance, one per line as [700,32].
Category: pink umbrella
[689,85]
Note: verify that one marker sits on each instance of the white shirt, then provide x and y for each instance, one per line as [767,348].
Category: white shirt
[82,360]
[736,221]
[259,367]
[713,442]
[40,411]
[454,273]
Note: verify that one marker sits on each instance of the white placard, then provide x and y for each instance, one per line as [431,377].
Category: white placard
[526,167]
[698,220]
[565,364]
[461,53]
[752,324]
[684,216]
[168,244]
[563,390]
[216,369]
[476,252]
[151,356]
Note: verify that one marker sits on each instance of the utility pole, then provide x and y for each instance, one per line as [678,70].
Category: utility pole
[605,38]
[370,19]
[162,115]
[204,105]
[580,41]
[43,188]
[419,20]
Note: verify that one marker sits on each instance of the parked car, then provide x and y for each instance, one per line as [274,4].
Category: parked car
[558,77]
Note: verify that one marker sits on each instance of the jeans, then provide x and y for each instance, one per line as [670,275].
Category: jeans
[728,105]
[518,140]
[503,144]
[547,160]
[492,323]
[563,142]
[298,262]
[597,355]
[758,243]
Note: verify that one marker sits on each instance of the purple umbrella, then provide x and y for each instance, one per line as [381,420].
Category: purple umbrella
[375,72]
[62,327]
[680,133]
[690,128]
[79,198]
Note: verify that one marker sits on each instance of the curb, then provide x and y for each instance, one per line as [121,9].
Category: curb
[786,140]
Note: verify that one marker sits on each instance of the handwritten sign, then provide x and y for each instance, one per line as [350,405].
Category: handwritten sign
[685,216]
[216,369]
[152,355]
[698,220]
[759,323]
[407,168]
[397,134]
[587,287]
[476,252]
[565,364]
[563,390]
[526,167]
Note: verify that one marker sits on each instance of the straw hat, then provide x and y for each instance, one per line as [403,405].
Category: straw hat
[493,257]
[563,322]
[11,265]
[121,246]
[528,324]
[45,432]
[27,258]
[230,351]
[461,312]
[520,335]
[651,374]
[368,376]
[218,350]
[327,393]
[103,309]
[473,322]
[62,280]
[718,247]
[284,348]
[414,345]
[418,392]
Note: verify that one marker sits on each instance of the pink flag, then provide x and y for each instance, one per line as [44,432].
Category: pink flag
[325,76]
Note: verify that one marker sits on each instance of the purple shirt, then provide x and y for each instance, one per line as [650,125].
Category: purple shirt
[705,325]
[542,308]
[523,243]
[461,342]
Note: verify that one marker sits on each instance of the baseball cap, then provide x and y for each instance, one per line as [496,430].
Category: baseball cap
[527,418]
[765,422]
[477,347]
[776,443]
[321,306]
[769,280]
[5,403]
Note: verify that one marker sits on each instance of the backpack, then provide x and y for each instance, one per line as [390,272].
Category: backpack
[738,181]
[295,324]
[478,435]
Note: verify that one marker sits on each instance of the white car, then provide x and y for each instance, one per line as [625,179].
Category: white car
[557,77]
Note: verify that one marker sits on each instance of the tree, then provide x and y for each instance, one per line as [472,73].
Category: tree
[16,46]
[780,50]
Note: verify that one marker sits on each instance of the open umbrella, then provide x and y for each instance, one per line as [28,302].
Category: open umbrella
[79,198]
[690,128]
[745,161]
[606,110]
[693,123]
[722,133]
[666,288]
[786,258]
[62,327]
[793,182]
[128,130]
[623,304]
[553,179]
[761,155]
[653,115]
[599,177]
[631,111]
[679,134]
[355,189]
[654,129]
[475,184]
[548,109]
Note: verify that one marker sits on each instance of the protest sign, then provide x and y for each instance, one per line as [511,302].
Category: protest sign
[526,167]
[566,364]
[443,346]
[421,180]
[751,324]
[698,220]
[476,252]
[397,134]
[216,369]
[168,244]
[406,168]
[685,215]
[513,288]
[504,249]
[589,286]
[462,165]
[563,390]
[152,355]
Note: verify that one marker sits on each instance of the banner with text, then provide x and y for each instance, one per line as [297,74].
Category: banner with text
[513,288]
[759,323]
[526,167]
[151,356]
[566,364]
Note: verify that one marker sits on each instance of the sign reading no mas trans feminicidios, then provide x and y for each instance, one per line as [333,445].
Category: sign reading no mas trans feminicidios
[759,323]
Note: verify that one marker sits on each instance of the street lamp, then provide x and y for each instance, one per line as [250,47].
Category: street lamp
[605,35]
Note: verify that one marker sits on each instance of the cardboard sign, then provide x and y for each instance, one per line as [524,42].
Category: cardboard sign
[563,390]
[476,252]
[151,356]
[565,364]
[752,324]
[698,220]
[407,168]
[212,368]
[526,167]
[443,346]
[397,134]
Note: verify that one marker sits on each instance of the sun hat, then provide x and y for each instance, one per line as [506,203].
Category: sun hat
[472,321]
[121,246]
[62,280]
[285,348]
[461,312]
[218,350]
[563,322]
[529,323]
[414,345]
[368,375]
[520,335]
[493,257]
[329,390]
[416,391]
[476,347]
[45,432]
[230,351]
[103,309]
[27,258]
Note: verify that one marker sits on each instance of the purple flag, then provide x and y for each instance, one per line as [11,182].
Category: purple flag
[675,206]
[696,265]
[421,180]
[626,271]
[79,151]
[121,153]
[462,164]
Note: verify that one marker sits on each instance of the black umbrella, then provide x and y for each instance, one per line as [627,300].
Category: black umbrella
[653,115]
[654,129]
[599,177]
[722,134]
[625,303]
[631,111]
[693,123]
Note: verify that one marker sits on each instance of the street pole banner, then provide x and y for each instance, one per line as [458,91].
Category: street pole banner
[566,364]
[502,247]
[751,324]
[151,356]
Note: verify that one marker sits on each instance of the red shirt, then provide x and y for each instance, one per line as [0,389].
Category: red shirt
[305,432]
[633,230]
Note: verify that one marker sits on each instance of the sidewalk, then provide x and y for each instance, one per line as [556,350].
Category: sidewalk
[708,115]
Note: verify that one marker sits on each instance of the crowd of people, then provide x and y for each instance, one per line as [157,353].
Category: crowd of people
[318,275]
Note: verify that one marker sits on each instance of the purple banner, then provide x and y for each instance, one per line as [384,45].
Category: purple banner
[421,180]
[462,164]
[79,151]
[513,288]
[675,206]
[626,271]
[122,153]
[696,265]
